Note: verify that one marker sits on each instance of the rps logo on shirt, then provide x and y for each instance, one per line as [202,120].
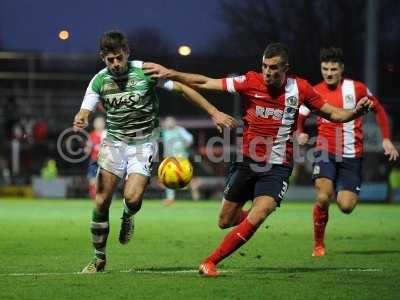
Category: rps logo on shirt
[275,114]
[269,112]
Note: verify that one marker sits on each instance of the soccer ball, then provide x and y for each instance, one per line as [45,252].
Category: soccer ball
[175,172]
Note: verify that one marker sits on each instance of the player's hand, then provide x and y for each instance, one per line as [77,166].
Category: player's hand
[222,120]
[81,120]
[390,150]
[363,106]
[302,138]
[155,70]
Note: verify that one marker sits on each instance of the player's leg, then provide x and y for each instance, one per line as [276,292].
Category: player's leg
[139,160]
[92,188]
[112,169]
[239,235]
[106,184]
[347,201]
[262,207]
[349,184]
[324,188]
[231,214]
[91,177]
[324,176]
[269,190]
[239,187]
[169,196]
[133,197]
[195,188]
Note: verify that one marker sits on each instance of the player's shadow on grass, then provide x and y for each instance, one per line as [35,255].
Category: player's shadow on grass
[255,270]
[304,270]
[370,252]
[292,270]
[227,269]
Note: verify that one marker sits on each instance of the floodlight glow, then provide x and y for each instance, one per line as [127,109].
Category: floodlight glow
[184,50]
[63,35]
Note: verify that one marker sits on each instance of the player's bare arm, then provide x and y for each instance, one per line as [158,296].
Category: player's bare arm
[383,123]
[219,118]
[81,119]
[302,138]
[339,115]
[390,150]
[195,81]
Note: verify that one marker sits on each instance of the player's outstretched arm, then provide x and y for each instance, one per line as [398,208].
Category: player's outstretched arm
[383,123]
[195,81]
[81,119]
[219,118]
[339,115]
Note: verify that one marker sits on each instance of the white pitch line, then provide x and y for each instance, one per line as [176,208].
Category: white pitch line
[157,272]
[364,270]
[38,274]
[120,271]
[144,271]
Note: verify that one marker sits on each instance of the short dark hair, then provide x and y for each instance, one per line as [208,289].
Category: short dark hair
[277,49]
[113,41]
[331,54]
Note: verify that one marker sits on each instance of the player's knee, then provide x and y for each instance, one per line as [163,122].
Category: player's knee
[224,222]
[347,201]
[260,214]
[134,195]
[323,198]
[347,208]
[133,200]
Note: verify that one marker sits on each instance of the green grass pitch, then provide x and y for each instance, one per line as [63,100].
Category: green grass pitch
[43,244]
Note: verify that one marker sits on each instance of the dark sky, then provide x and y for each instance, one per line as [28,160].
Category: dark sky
[34,25]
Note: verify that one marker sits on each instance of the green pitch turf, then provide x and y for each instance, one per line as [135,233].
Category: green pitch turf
[44,243]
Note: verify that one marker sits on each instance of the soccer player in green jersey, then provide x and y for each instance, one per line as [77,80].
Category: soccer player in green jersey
[131,105]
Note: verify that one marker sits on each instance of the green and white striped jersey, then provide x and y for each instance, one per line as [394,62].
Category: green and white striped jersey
[131,103]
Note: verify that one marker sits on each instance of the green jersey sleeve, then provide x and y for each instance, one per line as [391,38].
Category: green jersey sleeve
[92,95]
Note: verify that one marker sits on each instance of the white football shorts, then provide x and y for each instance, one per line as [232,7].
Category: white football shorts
[122,159]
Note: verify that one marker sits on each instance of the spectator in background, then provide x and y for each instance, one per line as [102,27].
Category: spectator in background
[49,170]
[11,116]
[394,184]
[5,174]
[176,142]
[92,147]
[40,131]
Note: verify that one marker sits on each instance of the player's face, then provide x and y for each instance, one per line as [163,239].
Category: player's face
[274,71]
[116,62]
[332,72]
